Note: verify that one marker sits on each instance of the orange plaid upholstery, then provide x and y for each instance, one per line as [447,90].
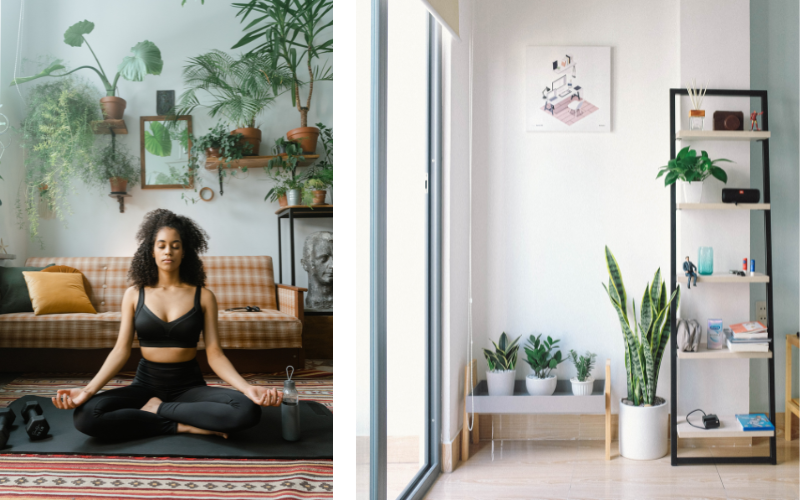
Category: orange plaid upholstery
[236,281]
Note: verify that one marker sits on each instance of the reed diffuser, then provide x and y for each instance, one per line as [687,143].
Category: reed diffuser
[696,114]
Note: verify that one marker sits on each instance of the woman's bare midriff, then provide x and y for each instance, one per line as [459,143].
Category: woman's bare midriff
[169,354]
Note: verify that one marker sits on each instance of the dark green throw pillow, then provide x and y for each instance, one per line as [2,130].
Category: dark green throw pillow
[14,296]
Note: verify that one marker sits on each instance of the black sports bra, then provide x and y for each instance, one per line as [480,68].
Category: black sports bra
[155,332]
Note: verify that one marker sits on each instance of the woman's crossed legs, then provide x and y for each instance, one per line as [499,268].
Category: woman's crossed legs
[119,414]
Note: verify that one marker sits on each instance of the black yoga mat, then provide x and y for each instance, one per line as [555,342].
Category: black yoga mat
[261,441]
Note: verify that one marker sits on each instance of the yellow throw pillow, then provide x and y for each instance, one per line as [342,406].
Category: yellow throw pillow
[57,293]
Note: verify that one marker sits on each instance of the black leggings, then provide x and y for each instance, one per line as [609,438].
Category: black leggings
[186,397]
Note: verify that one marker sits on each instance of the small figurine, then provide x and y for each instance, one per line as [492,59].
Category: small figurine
[754,120]
[689,271]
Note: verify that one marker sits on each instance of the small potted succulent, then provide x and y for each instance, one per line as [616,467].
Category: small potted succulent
[502,364]
[692,170]
[583,383]
[541,382]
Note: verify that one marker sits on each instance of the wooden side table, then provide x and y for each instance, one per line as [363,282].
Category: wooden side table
[792,405]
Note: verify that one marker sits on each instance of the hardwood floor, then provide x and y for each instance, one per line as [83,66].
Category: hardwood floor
[577,470]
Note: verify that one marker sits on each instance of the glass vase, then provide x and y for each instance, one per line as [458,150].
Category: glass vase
[705,261]
[696,118]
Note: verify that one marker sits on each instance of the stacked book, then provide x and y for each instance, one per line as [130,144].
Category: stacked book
[751,336]
[755,422]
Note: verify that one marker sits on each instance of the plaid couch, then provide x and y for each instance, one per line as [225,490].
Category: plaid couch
[236,281]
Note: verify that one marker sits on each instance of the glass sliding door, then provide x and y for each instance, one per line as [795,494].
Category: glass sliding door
[402,452]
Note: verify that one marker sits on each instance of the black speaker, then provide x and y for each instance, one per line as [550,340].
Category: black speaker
[740,195]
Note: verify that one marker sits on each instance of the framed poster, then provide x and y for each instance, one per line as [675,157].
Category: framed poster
[568,89]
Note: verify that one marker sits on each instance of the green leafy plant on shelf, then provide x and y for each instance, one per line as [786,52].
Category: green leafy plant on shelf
[230,149]
[282,170]
[584,364]
[113,160]
[235,88]
[292,32]
[504,356]
[539,355]
[58,142]
[689,167]
[146,60]
[646,342]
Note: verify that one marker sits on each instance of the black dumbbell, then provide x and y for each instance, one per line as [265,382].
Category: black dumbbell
[37,426]
[7,418]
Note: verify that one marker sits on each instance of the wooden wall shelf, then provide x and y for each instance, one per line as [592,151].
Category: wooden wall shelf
[723,135]
[727,278]
[7,256]
[121,199]
[257,161]
[106,126]
[724,353]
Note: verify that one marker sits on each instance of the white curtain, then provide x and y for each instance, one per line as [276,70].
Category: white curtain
[446,12]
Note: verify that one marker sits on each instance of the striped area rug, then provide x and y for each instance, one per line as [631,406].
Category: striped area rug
[68,477]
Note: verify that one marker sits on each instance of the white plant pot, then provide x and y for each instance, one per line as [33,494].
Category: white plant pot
[692,191]
[540,386]
[582,388]
[501,383]
[643,431]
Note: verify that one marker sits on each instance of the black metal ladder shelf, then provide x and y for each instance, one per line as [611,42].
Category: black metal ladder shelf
[766,278]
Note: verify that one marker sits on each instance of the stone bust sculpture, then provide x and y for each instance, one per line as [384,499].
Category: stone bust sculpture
[318,262]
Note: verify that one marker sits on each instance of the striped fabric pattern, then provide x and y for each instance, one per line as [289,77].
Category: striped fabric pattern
[58,476]
[235,280]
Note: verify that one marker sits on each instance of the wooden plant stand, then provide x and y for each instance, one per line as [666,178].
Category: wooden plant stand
[477,401]
[792,405]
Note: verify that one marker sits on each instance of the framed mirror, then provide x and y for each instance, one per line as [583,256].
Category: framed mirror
[162,148]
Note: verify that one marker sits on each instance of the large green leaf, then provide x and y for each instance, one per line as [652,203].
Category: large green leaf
[146,60]
[616,280]
[74,34]
[157,140]
[54,66]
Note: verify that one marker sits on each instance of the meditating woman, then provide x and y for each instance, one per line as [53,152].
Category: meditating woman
[168,307]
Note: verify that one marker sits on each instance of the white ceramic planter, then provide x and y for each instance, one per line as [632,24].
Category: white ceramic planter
[582,388]
[643,431]
[501,383]
[692,191]
[540,386]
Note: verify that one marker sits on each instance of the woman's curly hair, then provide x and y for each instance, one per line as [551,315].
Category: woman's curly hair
[144,271]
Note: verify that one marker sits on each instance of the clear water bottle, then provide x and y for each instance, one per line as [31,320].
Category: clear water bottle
[290,409]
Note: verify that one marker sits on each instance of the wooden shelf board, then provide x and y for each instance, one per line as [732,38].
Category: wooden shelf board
[723,206]
[278,211]
[728,427]
[257,161]
[794,340]
[7,256]
[105,127]
[561,401]
[723,135]
[724,353]
[727,278]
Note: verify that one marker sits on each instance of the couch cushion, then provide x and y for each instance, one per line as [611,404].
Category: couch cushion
[14,295]
[237,330]
[57,293]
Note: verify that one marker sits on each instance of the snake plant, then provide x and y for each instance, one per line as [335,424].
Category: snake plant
[646,342]
[504,356]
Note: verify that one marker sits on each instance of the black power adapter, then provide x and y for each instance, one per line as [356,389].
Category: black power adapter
[710,421]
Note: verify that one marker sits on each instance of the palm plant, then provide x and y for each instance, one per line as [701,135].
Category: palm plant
[646,342]
[146,59]
[289,30]
[504,356]
[236,87]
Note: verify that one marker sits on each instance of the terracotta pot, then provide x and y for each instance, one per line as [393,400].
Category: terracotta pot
[251,135]
[118,185]
[212,152]
[319,197]
[42,187]
[113,107]
[307,136]
[282,201]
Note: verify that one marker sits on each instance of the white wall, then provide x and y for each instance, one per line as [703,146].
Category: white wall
[546,204]
[239,222]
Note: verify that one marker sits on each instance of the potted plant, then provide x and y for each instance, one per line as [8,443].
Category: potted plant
[217,143]
[502,364]
[291,30]
[541,382]
[692,170]
[116,165]
[318,183]
[642,414]
[287,178]
[280,145]
[146,60]
[582,384]
[238,89]
[59,141]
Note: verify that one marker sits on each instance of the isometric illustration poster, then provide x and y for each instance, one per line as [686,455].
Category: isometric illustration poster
[568,89]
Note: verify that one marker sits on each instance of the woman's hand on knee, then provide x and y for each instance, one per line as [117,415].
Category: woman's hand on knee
[264,396]
[67,399]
